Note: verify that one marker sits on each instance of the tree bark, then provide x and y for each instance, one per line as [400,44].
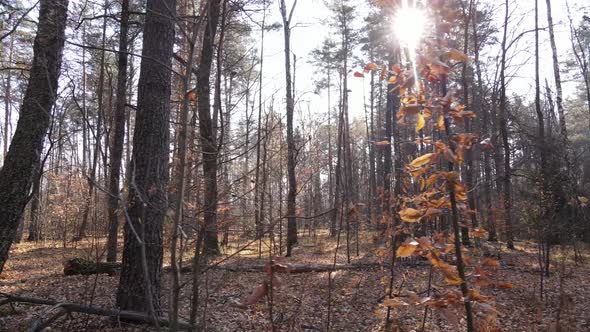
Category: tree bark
[139,285]
[557,76]
[118,138]
[35,223]
[207,129]
[23,157]
[292,153]
[467,13]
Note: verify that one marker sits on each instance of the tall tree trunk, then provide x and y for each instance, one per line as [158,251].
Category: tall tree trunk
[207,129]
[8,100]
[467,13]
[479,99]
[257,189]
[387,156]
[504,132]
[118,138]
[292,153]
[544,168]
[139,285]
[23,157]
[557,76]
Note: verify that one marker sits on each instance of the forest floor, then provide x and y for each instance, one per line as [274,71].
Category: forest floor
[301,303]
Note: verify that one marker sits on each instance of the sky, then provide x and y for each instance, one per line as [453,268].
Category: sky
[310,30]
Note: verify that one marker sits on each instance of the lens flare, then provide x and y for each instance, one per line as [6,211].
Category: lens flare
[408,25]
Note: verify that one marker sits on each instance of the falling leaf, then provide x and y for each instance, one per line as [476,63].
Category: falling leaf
[441,122]
[453,280]
[257,293]
[395,302]
[479,233]
[371,67]
[490,262]
[423,160]
[410,215]
[412,108]
[431,180]
[406,250]
[432,212]
[456,55]
[439,68]
[420,123]
[382,143]
[192,95]
[358,74]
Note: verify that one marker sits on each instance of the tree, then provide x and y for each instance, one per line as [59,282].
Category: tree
[557,76]
[207,129]
[24,155]
[291,149]
[507,185]
[118,138]
[139,285]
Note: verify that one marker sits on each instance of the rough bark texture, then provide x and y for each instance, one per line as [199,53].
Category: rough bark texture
[23,159]
[149,165]
[118,138]
[206,128]
[292,153]
[35,223]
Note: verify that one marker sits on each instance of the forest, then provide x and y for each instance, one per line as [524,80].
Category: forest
[294,165]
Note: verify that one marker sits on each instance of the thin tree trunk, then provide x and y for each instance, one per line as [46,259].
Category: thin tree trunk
[97,135]
[557,76]
[479,99]
[181,181]
[118,134]
[8,100]
[467,122]
[257,189]
[207,129]
[292,153]
[504,132]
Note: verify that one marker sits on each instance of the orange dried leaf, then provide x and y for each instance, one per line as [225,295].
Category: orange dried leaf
[410,215]
[371,67]
[382,143]
[423,160]
[420,123]
[395,302]
[456,55]
[490,262]
[406,250]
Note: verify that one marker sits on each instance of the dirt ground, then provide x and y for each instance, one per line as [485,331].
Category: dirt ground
[301,303]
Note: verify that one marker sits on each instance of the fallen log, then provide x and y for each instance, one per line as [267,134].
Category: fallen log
[84,266]
[81,266]
[68,307]
[302,268]
[77,266]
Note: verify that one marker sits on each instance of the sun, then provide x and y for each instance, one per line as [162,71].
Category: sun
[408,25]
